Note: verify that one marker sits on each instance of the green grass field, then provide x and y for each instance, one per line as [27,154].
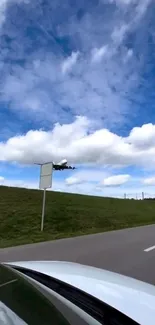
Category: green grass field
[66,215]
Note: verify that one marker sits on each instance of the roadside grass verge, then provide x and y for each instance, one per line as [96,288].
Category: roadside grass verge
[66,215]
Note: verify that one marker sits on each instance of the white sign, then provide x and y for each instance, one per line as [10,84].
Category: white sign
[46,176]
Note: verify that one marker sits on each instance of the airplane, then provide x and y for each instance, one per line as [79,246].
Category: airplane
[62,165]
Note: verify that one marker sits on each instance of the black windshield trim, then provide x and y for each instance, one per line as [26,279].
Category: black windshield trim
[99,310]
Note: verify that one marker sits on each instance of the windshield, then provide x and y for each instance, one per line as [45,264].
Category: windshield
[21,303]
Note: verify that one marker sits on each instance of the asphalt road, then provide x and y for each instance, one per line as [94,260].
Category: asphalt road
[120,251]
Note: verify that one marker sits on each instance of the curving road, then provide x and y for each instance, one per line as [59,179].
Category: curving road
[129,251]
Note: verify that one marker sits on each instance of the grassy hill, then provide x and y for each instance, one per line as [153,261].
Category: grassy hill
[66,215]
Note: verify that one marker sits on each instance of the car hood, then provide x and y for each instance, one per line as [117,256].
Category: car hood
[134,298]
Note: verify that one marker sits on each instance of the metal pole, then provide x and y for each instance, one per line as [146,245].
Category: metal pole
[43,210]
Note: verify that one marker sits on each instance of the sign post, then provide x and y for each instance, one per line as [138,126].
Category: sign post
[45,182]
[43,210]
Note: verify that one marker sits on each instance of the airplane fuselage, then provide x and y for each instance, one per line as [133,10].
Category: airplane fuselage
[58,167]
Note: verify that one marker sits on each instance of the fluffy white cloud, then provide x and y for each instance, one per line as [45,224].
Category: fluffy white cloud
[87,175]
[19,183]
[68,63]
[3,8]
[31,184]
[99,53]
[57,185]
[119,33]
[1,179]
[128,55]
[143,137]
[87,187]
[138,9]
[77,143]
[149,181]
[73,180]
[123,2]
[116,180]
[3,5]
[141,4]
[142,7]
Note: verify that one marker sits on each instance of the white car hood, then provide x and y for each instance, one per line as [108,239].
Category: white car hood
[134,298]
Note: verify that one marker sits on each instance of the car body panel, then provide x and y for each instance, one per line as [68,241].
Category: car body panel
[134,298]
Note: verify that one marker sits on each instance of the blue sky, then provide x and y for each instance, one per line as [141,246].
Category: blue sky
[77,82]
